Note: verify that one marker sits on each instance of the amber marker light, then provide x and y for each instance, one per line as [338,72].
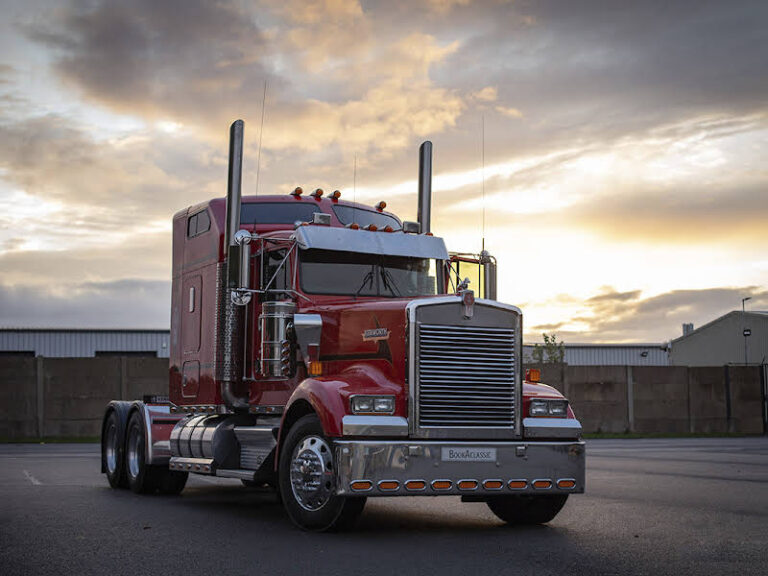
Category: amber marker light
[381,205]
[493,484]
[314,366]
[517,484]
[566,484]
[335,195]
[297,191]
[353,226]
[542,484]
[389,485]
[317,193]
[533,375]
[415,485]
[442,485]
[387,228]
[467,484]
[371,228]
[361,485]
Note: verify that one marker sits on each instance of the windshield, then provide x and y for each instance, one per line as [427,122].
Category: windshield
[352,273]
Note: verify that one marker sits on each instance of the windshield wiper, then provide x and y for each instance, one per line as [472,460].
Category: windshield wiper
[389,281]
[368,279]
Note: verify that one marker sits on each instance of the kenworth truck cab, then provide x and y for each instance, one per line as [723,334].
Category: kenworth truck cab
[336,353]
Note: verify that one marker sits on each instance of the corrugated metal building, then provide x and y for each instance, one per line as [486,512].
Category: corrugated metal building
[722,341]
[611,354]
[79,343]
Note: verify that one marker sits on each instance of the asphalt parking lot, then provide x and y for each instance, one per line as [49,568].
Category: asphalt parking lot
[687,506]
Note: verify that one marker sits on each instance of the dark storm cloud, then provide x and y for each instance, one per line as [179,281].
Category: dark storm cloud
[131,303]
[169,59]
[584,71]
[626,316]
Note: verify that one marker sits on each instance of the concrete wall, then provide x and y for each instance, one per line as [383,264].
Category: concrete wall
[662,399]
[54,397]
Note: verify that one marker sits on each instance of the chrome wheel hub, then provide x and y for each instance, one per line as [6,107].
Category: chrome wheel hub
[111,449]
[133,452]
[312,479]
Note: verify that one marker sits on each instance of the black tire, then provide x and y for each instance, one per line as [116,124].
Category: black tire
[170,482]
[112,442]
[310,507]
[142,478]
[525,509]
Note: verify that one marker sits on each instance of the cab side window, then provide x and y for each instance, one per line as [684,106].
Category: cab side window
[198,224]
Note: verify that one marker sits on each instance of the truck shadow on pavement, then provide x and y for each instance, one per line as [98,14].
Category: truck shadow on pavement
[396,515]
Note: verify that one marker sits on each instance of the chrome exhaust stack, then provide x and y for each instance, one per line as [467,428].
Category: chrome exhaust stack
[424,213]
[230,317]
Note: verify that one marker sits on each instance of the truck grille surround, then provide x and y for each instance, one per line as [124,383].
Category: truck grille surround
[465,374]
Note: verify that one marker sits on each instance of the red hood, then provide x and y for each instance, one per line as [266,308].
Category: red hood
[371,331]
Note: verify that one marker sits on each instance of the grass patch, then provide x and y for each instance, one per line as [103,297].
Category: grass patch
[51,440]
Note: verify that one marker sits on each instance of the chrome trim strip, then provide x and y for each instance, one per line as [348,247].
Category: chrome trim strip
[551,427]
[355,425]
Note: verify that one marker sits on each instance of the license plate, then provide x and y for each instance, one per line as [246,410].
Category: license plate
[468,454]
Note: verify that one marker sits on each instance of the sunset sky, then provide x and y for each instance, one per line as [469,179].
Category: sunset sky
[626,181]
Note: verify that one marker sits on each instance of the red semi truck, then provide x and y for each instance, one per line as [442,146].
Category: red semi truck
[333,352]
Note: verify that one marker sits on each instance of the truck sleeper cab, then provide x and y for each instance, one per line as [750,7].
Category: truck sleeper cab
[338,363]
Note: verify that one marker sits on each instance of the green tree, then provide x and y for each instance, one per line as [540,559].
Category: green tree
[551,352]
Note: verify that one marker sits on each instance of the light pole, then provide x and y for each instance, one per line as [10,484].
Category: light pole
[744,326]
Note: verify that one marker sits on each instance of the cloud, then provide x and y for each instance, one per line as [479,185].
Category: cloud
[169,59]
[201,65]
[130,303]
[125,182]
[612,316]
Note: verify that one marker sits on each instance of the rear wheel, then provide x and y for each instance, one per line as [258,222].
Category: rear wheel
[526,509]
[112,452]
[142,478]
[307,483]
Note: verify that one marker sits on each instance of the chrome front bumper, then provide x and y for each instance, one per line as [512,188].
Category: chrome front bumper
[402,468]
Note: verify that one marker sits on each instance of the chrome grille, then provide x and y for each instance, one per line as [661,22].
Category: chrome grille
[466,376]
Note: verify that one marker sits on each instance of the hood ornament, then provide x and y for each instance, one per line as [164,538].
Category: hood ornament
[467,298]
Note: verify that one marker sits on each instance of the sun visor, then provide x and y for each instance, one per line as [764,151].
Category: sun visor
[383,243]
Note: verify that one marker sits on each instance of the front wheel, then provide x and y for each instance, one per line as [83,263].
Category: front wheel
[526,509]
[307,480]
